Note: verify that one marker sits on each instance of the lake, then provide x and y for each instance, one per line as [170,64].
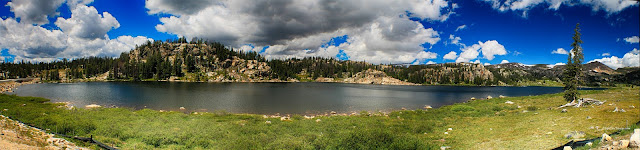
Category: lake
[266,98]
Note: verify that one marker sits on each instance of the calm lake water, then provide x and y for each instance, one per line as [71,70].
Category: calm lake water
[266,98]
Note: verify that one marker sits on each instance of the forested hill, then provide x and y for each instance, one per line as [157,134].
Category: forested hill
[198,60]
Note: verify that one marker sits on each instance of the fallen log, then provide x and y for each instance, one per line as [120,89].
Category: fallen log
[583,102]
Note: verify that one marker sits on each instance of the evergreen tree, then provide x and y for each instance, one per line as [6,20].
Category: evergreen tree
[573,72]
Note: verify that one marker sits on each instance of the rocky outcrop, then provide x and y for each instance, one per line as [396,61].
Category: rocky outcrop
[371,76]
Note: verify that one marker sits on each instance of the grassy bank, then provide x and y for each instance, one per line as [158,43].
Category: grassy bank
[480,124]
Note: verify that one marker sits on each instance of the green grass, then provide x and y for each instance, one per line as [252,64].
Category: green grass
[480,124]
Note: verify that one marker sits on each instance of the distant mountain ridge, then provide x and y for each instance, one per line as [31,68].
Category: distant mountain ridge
[213,62]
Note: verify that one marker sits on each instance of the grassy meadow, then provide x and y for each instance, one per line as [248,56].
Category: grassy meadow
[532,122]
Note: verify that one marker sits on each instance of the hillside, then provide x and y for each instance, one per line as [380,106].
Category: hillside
[201,61]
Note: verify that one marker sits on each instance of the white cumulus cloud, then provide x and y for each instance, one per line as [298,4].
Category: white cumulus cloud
[455,40]
[560,51]
[35,11]
[86,22]
[82,35]
[632,40]
[489,50]
[450,56]
[469,53]
[630,59]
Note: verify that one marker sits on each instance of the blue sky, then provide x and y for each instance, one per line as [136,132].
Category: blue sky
[416,33]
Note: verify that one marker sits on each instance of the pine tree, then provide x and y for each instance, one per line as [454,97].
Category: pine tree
[573,72]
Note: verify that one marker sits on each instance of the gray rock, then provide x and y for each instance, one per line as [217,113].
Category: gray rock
[623,144]
[605,137]
[564,110]
[634,141]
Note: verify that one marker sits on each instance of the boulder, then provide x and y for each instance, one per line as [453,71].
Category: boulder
[267,122]
[182,108]
[502,96]
[93,106]
[427,107]
[473,98]
[318,120]
[634,141]
[508,102]
[489,97]
[285,119]
[444,147]
[564,110]
[450,129]
[567,148]
[605,137]
[623,144]
[589,144]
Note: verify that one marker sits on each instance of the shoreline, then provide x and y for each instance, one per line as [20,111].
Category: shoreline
[317,113]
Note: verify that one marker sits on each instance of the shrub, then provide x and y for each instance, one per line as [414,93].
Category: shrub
[532,108]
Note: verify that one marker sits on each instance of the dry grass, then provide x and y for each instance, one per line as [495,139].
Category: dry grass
[518,130]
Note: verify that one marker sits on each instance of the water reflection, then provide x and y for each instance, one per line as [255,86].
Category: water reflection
[267,98]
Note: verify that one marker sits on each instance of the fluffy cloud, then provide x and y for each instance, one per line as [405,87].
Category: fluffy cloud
[489,49]
[379,31]
[632,40]
[450,56]
[630,59]
[461,27]
[609,6]
[30,41]
[504,62]
[73,3]
[469,53]
[85,22]
[35,11]
[82,35]
[560,51]
[455,40]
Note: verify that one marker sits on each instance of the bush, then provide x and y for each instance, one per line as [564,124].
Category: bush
[532,108]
